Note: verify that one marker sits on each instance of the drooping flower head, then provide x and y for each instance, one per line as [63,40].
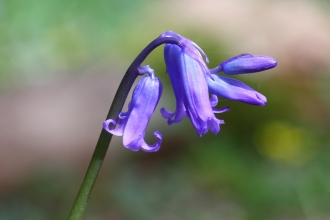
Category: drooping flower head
[132,124]
[196,89]
[187,71]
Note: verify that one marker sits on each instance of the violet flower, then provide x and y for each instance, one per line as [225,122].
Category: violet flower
[234,89]
[247,63]
[188,78]
[132,124]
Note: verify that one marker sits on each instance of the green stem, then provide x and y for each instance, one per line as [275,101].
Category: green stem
[80,203]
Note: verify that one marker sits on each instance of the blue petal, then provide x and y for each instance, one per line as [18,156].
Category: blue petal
[195,88]
[213,125]
[132,124]
[214,100]
[155,147]
[221,110]
[122,119]
[172,60]
[166,114]
[188,78]
[234,90]
[247,63]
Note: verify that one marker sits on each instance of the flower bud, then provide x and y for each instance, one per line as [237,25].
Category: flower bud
[247,63]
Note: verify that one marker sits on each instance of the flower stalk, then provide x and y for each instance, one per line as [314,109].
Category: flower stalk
[80,203]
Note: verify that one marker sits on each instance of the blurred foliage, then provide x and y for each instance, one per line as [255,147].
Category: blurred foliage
[59,35]
[268,162]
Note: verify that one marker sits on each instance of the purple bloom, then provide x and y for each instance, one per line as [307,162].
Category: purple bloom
[188,77]
[132,124]
[247,63]
[233,89]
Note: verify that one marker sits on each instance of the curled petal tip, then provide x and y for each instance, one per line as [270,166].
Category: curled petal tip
[221,110]
[116,131]
[106,124]
[156,146]
[166,114]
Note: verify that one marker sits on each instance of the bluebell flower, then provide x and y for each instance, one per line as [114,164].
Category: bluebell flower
[132,124]
[247,63]
[234,89]
[187,72]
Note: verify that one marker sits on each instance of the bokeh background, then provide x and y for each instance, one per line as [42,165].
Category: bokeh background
[61,63]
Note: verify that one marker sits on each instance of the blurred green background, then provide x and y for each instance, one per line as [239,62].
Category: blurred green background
[61,62]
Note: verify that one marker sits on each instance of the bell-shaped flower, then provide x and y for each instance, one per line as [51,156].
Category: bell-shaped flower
[187,72]
[247,63]
[132,124]
[235,90]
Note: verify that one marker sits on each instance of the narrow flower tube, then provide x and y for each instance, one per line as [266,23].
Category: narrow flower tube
[188,78]
[132,124]
[172,62]
[233,89]
[247,63]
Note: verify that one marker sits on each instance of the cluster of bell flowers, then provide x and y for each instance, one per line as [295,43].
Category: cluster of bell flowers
[196,89]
